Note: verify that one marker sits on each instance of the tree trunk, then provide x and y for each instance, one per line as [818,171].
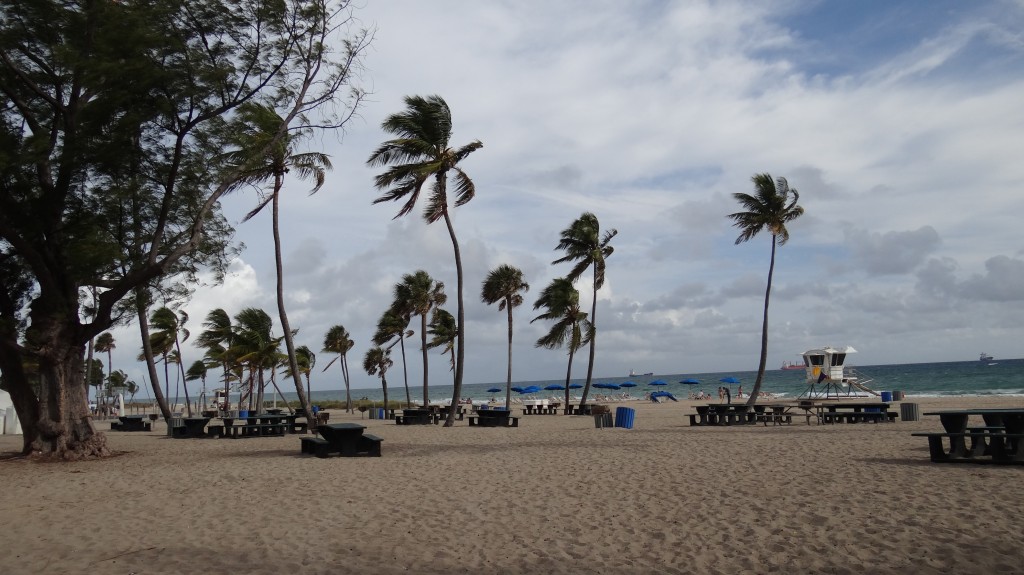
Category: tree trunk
[384,385]
[147,352]
[348,387]
[56,422]
[405,368]
[568,378]
[289,344]
[593,343]
[764,332]
[184,380]
[461,327]
[423,347]
[508,378]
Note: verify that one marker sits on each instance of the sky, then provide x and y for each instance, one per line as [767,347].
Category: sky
[900,124]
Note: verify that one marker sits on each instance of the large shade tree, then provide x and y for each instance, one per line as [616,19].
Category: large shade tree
[391,328]
[503,286]
[584,244]
[443,333]
[114,116]
[772,205]
[420,152]
[561,304]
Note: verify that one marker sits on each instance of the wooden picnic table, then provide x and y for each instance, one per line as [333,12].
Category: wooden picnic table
[195,427]
[997,441]
[131,423]
[494,418]
[415,416]
[347,439]
[855,412]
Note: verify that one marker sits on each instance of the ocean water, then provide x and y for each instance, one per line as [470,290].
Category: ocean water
[960,378]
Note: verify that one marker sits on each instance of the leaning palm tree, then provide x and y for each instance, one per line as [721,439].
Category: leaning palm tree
[197,372]
[167,327]
[306,360]
[502,286]
[262,130]
[391,325]
[421,152]
[584,244]
[105,344]
[216,340]
[561,303]
[444,332]
[768,209]
[420,293]
[377,361]
[338,341]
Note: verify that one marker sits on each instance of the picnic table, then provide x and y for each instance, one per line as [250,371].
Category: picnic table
[415,416]
[585,409]
[191,428]
[131,423]
[494,418]
[723,414]
[347,439]
[540,407]
[997,441]
[855,412]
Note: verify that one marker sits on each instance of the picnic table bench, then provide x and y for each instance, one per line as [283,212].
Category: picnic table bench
[861,412]
[493,418]
[346,439]
[415,416]
[723,414]
[131,423]
[998,441]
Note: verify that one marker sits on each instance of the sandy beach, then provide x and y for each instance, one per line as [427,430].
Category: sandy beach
[555,495]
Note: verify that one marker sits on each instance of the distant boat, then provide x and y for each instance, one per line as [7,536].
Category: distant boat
[635,374]
[787,365]
[985,357]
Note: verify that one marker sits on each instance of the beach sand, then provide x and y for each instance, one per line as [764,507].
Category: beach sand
[555,495]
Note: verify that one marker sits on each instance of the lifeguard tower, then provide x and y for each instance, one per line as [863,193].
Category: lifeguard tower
[827,375]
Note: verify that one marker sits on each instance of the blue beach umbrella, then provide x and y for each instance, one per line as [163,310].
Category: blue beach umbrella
[729,380]
[690,381]
[658,382]
[494,390]
[517,389]
[627,384]
[531,389]
[555,387]
[575,386]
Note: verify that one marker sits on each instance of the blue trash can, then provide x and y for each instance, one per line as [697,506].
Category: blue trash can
[624,417]
[886,396]
[243,414]
[316,409]
[380,413]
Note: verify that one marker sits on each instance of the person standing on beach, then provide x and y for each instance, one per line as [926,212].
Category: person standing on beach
[728,396]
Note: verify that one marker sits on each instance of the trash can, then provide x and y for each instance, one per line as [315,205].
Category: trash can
[898,395]
[174,422]
[373,413]
[886,396]
[242,414]
[603,420]
[910,412]
[380,413]
[624,417]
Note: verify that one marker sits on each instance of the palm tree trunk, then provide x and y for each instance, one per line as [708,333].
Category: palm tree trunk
[405,369]
[147,352]
[423,341]
[764,332]
[348,390]
[593,342]
[461,317]
[508,378]
[568,378]
[293,364]
[181,368]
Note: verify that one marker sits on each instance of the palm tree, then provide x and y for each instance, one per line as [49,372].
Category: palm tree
[420,152]
[257,349]
[583,243]
[376,362]
[105,343]
[338,341]
[420,293]
[392,324]
[168,327]
[216,339]
[306,360]
[502,286]
[561,302]
[197,372]
[444,331]
[262,129]
[766,210]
